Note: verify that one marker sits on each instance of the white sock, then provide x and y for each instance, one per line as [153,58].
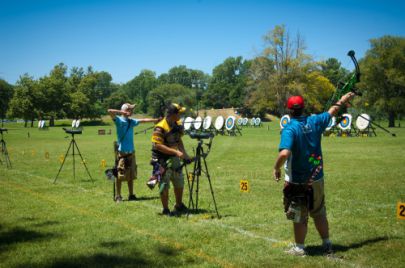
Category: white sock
[300,246]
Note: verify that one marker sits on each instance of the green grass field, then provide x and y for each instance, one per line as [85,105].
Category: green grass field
[75,222]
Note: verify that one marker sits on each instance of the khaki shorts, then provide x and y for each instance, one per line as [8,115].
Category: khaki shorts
[127,168]
[172,174]
[319,204]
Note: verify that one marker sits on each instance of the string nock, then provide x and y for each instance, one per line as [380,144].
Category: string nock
[350,53]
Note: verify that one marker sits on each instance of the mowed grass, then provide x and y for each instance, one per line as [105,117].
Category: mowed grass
[75,222]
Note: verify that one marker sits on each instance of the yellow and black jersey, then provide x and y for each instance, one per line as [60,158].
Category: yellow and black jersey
[167,134]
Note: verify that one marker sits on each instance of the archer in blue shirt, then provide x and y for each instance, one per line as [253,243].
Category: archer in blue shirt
[304,188]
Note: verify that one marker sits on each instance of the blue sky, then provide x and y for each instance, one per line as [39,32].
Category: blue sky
[124,37]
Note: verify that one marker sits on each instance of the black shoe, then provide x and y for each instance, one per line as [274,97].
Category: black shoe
[166,212]
[118,199]
[327,249]
[132,197]
[180,209]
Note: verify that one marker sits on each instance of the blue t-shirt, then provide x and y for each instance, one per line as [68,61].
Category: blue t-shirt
[302,136]
[125,143]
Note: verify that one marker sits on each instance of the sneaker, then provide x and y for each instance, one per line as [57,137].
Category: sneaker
[166,212]
[118,199]
[132,197]
[327,249]
[296,251]
[180,209]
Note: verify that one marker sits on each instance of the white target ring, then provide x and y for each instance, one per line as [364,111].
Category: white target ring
[245,121]
[188,122]
[198,122]
[332,123]
[346,122]
[207,122]
[284,120]
[363,121]
[219,122]
[230,122]
[258,121]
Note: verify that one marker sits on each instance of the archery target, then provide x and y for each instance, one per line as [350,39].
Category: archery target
[198,122]
[230,122]
[188,122]
[332,123]
[74,123]
[240,121]
[245,121]
[258,121]
[207,122]
[77,123]
[219,122]
[362,121]
[253,121]
[346,122]
[284,121]
[42,123]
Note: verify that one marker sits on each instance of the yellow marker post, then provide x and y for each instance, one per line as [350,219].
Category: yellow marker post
[244,186]
[33,152]
[190,176]
[401,211]
[61,158]
[103,163]
[46,155]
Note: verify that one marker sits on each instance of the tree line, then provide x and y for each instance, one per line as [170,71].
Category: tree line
[255,86]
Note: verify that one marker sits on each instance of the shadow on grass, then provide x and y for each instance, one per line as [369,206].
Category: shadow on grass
[317,250]
[19,235]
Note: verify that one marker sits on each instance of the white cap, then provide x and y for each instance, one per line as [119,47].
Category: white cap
[127,106]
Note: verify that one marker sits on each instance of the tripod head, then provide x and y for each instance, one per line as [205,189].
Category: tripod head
[72,131]
[3,130]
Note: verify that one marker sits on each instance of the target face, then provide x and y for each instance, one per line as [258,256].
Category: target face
[245,121]
[74,123]
[77,123]
[240,121]
[346,122]
[332,123]
[207,122]
[362,121]
[42,123]
[258,121]
[219,122]
[230,122]
[198,122]
[39,124]
[284,121]
[188,122]
[253,121]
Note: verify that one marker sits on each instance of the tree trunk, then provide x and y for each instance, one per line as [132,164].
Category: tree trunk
[25,122]
[391,119]
[52,121]
[32,122]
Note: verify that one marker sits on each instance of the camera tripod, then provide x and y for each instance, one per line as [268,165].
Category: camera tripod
[72,145]
[198,169]
[4,150]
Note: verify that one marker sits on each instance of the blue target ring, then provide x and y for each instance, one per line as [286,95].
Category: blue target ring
[345,122]
[284,121]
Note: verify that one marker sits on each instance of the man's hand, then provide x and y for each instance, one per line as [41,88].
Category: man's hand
[277,174]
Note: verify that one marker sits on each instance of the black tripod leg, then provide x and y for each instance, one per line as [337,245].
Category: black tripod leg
[64,159]
[189,188]
[212,190]
[83,161]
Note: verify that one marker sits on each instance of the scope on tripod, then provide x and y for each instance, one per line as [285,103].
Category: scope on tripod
[200,136]
[73,131]
[3,130]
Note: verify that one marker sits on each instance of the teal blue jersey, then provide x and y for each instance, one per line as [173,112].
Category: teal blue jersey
[302,136]
[125,138]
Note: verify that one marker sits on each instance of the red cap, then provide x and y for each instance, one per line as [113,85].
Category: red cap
[295,102]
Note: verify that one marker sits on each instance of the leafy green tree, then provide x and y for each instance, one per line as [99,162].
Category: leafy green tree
[383,76]
[228,84]
[332,70]
[22,105]
[116,100]
[165,94]
[6,93]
